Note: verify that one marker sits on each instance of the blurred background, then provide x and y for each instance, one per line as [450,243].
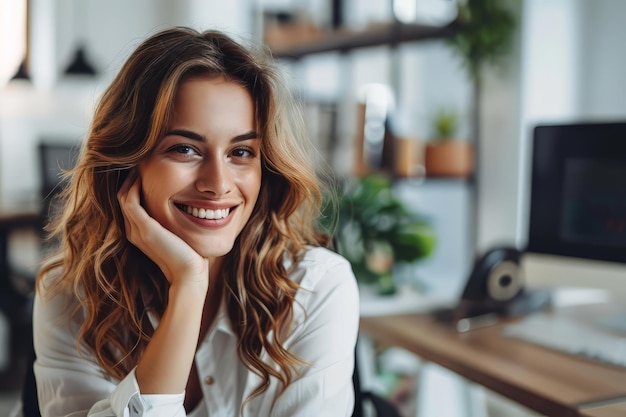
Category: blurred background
[439,96]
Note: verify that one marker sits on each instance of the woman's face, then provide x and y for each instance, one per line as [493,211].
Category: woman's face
[202,180]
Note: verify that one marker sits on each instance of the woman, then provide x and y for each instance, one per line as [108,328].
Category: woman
[191,279]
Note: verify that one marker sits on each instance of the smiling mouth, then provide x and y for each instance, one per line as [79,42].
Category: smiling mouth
[202,213]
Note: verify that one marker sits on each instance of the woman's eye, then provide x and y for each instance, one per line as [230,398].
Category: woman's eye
[243,153]
[184,150]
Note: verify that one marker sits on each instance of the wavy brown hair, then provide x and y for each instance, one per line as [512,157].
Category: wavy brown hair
[99,265]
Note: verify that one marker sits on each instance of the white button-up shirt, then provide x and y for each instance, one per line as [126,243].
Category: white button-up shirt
[324,332]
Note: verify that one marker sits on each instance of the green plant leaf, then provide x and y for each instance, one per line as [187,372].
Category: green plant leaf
[446,123]
[485,33]
[369,216]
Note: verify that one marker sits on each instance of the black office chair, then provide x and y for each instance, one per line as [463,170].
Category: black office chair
[382,406]
[30,403]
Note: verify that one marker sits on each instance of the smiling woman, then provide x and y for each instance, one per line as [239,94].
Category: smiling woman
[191,277]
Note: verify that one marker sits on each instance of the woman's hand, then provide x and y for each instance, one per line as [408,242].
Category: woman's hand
[166,363]
[177,260]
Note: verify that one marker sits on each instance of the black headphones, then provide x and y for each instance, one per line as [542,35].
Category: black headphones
[496,277]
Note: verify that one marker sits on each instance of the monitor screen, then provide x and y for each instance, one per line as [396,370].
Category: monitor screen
[578,191]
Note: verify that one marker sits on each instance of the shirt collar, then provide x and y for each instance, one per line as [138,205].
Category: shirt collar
[222,322]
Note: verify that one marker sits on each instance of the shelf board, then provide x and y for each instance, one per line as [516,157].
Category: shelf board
[387,34]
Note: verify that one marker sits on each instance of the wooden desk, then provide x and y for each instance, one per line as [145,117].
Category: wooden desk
[613,410]
[23,216]
[548,382]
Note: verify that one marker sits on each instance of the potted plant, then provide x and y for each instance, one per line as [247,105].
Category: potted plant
[445,155]
[484,36]
[374,230]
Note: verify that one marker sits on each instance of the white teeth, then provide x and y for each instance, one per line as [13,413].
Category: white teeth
[207,213]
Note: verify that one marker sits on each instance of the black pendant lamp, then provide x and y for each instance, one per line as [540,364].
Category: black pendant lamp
[80,64]
[22,72]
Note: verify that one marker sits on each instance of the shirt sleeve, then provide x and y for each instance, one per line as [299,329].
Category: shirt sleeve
[70,384]
[326,340]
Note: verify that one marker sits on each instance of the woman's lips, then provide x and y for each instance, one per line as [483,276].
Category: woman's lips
[205,213]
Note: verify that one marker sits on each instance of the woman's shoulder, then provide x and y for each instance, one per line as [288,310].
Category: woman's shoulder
[327,287]
[320,268]
[51,297]
[316,255]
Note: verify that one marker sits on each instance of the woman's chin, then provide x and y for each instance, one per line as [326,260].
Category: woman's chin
[215,251]
[210,246]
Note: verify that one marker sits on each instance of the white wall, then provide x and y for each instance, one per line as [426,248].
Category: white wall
[498,156]
[602,62]
[551,58]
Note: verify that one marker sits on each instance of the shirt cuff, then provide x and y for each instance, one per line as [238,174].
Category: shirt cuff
[126,400]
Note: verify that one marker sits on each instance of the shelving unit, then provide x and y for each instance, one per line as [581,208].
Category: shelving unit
[383,34]
[448,201]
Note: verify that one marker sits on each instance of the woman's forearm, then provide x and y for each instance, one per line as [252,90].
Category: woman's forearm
[166,363]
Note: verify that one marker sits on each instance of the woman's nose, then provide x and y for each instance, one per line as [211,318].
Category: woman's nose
[214,177]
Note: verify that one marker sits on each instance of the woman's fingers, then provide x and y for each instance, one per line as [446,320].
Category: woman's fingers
[178,261]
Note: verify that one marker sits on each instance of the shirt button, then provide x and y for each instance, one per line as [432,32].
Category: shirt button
[209,380]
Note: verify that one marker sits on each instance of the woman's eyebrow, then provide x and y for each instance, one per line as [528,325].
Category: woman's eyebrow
[246,136]
[195,136]
[186,134]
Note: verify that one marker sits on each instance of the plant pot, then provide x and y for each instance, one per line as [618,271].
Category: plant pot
[379,262]
[408,158]
[448,158]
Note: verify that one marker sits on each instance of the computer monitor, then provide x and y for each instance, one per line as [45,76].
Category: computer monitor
[577,218]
